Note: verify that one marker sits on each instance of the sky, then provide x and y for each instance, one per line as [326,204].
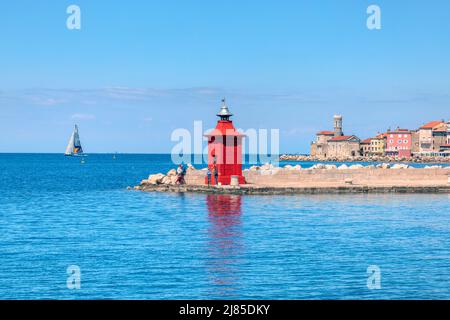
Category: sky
[138,70]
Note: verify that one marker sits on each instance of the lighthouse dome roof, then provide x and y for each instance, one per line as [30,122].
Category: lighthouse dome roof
[224,111]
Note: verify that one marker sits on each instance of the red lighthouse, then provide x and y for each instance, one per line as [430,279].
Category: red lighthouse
[225,149]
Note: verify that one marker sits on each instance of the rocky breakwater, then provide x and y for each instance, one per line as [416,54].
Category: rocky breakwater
[192,177]
[415,159]
[320,178]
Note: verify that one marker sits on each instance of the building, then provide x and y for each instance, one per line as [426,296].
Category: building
[338,126]
[343,146]
[378,145]
[375,146]
[399,143]
[448,132]
[225,149]
[431,137]
[335,143]
[415,147]
[320,146]
[445,150]
[365,147]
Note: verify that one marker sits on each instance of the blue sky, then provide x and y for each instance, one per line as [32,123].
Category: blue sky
[139,69]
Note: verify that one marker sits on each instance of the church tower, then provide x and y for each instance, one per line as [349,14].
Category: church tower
[338,126]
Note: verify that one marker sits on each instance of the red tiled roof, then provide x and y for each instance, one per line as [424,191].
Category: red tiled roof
[367,141]
[342,138]
[398,130]
[326,133]
[380,136]
[431,124]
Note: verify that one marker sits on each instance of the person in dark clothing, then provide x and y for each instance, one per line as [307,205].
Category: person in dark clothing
[208,175]
[216,175]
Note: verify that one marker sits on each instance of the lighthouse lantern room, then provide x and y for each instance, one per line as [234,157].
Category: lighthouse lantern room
[225,149]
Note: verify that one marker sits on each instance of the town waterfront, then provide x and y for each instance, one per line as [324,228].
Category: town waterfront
[57,212]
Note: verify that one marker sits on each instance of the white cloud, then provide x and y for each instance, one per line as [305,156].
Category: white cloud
[49,102]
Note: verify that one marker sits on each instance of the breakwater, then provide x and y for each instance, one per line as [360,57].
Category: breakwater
[321,178]
[264,190]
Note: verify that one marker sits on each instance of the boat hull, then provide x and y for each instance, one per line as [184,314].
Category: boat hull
[76,155]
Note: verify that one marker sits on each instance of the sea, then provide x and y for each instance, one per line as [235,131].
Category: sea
[70,229]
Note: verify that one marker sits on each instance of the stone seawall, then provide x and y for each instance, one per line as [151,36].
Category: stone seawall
[261,190]
[375,176]
[291,180]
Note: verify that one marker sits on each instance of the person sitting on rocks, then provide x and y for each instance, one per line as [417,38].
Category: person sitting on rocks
[181,172]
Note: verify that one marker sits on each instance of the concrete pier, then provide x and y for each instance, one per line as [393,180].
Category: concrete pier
[264,190]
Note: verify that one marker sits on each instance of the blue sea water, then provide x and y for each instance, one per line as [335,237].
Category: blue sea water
[56,212]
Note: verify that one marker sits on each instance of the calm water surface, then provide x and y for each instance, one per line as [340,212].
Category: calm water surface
[56,212]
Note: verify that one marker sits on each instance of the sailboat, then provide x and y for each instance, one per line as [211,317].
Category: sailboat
[74,147]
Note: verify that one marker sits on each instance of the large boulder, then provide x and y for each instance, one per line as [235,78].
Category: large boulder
[173,179]
[318,166]
[383,166]
[267,166]
[275,170]
[356,166]
[343,167]
[166,180]
[172,172]
[400,166]
[155,178]
[255,168]
[330,166]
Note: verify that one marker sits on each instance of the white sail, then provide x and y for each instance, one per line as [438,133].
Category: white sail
[74,146]
[69,148]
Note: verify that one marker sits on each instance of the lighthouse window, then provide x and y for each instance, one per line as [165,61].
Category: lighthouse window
[212,139]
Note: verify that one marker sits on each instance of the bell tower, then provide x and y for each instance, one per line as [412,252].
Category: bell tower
[338,126]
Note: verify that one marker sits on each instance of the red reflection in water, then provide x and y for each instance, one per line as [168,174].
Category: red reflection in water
[223,204]
[225,242]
